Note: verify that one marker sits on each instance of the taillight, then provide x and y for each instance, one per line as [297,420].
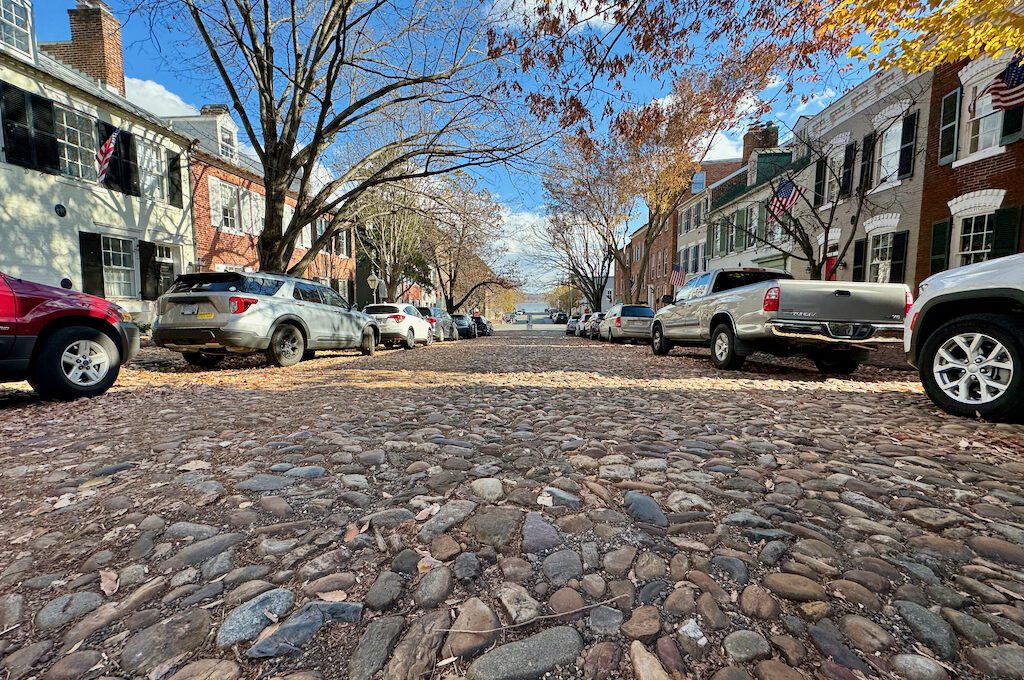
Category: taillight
[618,322]
[908,301]
[8,303]
[771,299]
[237,304]
[432,320]
[399,318]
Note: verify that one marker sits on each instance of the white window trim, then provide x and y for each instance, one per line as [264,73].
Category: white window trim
[979,156]
[891,113]
[957,232]
[834,234]
[31,54]
[885,186]
[881,224]
[974,203]
[136,273]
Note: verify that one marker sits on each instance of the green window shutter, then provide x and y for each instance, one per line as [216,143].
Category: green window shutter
[867,161]
[740,230]
[709,237]
[762,221]
[949,127]
[939,260]
[1013,122]
[723,236]
[1007,232]
[860,247]
[898,263]
[819,182]
[174,193]
[908,146]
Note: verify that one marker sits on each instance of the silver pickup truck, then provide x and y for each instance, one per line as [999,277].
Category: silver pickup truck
[737,312]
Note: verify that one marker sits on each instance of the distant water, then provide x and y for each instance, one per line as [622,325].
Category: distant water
[536,307]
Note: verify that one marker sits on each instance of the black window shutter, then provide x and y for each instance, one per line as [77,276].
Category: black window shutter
[949,127]
[149,271]
[867,161]
[44,134]
[17,135]
[90,247]
[819,182]
[130,163]
[174,195]
[898,263]
[940,246]
[1013,122]
[860,248]
[113,178]
[846,178]
[1007,231]
[908,144]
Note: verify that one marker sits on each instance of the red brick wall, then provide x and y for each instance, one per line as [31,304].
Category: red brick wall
[215,247]
[943,183]
[95,46]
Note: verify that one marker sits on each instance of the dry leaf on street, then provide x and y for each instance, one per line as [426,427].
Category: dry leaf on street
[108,582]
[333,596]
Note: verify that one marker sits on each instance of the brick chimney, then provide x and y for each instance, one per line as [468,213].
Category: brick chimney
[759,136]
[214,110]
[95,45]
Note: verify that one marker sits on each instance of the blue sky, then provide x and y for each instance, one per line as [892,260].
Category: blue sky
[159,83]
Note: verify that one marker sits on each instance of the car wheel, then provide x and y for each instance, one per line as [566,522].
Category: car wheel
[455,334]
[201,360]
[723,348]
[74,362]
[430,339]
[660,345]
[974,366]
[368,345]
[286,346]
[410,340]
[836,363]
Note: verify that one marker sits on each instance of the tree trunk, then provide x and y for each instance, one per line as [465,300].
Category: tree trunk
[274,252]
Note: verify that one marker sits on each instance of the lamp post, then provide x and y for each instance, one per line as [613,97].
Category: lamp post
[372,281]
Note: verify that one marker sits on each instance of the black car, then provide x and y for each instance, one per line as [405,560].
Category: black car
[465,326]
[441,322]
[561,317]
[483,326]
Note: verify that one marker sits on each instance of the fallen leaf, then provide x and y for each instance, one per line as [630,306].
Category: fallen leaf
[267,632]
[194,465]
[428,563]
[351,532]
[333,596]
[108,582]
[445,662]
[428,512]
[64,501]
[270,615]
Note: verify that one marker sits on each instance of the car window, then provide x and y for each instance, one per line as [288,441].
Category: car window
[332,298]
[412,311]
[642,311]
[380,309]
[425,311]
[730,280]
[700,286]
[306,292]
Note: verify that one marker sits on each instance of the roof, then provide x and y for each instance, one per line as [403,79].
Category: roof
[734,193]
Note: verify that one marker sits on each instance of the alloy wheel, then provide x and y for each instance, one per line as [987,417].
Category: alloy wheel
[85,363]
[722,347]
[290,343]
[973,368]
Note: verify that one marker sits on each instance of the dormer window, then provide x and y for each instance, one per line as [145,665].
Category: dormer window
[228,143]
[14,25]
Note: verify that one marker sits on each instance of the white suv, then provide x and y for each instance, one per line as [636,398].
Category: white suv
[401,324]
[965,334]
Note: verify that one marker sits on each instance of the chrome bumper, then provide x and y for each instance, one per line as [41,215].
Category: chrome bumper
[836,332]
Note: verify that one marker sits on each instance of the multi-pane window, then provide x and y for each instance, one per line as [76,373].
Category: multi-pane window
[229,221]
[14,28]
[697,215]
[976,238]
[228,145]
[76,143]
[687,216]
[162,253]
[751,226]
[118,267]
[888,149]
[881,258]
[985,123]
[152,170]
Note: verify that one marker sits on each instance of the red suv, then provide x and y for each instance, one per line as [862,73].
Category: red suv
[65,343]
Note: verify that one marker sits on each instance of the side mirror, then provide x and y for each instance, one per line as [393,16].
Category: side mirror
[666,299]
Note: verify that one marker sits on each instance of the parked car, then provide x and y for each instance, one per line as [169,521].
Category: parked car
[210,315]
[593,323]
[401,325]
[571,324]
[66,344]
[626,322]
[465,325]
[581,325]
[441,323]
[561,317]
[965,335]
[483,326]
[737,312]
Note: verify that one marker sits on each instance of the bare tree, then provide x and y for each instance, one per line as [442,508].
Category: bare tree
[338,96]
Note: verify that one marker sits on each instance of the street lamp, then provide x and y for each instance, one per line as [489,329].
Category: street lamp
[372,281]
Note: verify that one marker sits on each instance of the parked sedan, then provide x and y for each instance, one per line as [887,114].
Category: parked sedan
[627,322]
[571,325]
[65,343]
[441,322]
[465,325]
[401,325]
[582,325]
[561,317]
[483,326]
[210,315]
[592,325]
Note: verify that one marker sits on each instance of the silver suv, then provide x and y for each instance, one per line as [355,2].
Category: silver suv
[208,316]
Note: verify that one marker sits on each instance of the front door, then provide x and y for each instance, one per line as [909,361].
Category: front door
[830,267]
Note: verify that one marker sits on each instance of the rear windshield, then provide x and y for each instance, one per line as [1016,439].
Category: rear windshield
[381,309]
[638,310]
[460,318]
[730,280]
[225,283]
[426,311]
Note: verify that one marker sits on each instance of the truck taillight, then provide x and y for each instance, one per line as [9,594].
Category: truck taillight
[771,299]
[8,302]
[237,304]
[908,300]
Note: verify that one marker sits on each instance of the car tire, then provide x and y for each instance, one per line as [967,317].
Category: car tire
[410,340]
[723,348]
[201,360]
[660,345]
[1008,404]
[368,345]
[287,345]
[430,339]
[309,355]
[836,363]
[53,377]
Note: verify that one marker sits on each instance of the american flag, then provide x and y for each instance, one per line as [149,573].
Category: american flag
[104,154]
[783,199]
[632,287]
[678,275]
[1007,89]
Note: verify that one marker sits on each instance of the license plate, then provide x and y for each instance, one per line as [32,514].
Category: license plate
[844,330]
[205,315]
[190,309]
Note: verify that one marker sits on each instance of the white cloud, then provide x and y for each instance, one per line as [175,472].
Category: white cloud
[816,101]
[725,145]
[157,99]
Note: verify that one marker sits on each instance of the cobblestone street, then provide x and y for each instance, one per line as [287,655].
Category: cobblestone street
[520,506]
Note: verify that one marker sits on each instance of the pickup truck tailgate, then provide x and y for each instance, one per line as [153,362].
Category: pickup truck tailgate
[841,301]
